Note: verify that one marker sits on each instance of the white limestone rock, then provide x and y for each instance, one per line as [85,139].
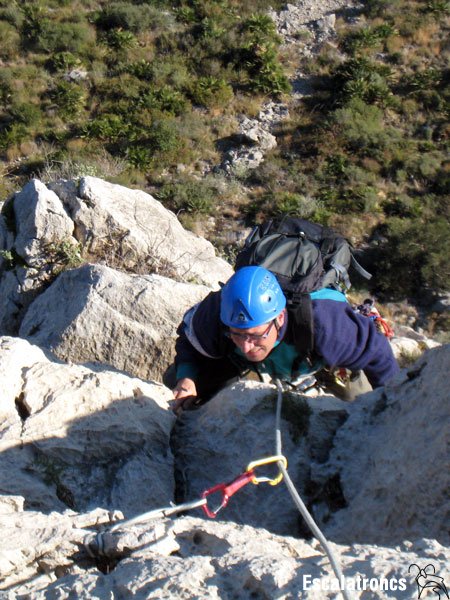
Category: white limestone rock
[216,443]
[86,436]
[97,314]
[392,455]
[130,229]
[217,560]
[41,223]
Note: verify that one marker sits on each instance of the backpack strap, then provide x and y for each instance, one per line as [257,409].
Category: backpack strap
[302,325]
[359,268]
[302,322]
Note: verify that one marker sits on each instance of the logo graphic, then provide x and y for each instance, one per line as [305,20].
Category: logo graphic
[427,579]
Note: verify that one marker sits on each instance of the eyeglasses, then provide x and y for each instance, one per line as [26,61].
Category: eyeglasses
[250,337]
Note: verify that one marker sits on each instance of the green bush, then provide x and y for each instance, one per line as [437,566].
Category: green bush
[361,125]
[67,37]
[107,127]
[129,17]
[64,61]
[12,15]
[12,135]
[164,137]
[364,79]
[257,54]
[414,259]
[10,38]
[211,92]
[402,205]
[68,97]
[260,59]
[33,22]
[170,70]
[165,99]
[120,40]
[25,113]
[367,37]
[139,157]
[439,8]
[190,196]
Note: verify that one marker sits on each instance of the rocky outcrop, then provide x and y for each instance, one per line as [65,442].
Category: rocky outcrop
[131,230]
[238,426]
[81,436]
[95,313]
[51,228]
[392,457]
[83,447]
[41,222]
[407,342]
[365,468]
[194,558]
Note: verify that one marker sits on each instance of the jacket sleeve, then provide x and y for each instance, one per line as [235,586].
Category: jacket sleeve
[344,338]
[200,337]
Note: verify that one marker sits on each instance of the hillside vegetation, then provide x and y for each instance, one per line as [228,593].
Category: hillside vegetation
[146,94]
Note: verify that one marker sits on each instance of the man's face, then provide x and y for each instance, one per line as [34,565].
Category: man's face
[256,343]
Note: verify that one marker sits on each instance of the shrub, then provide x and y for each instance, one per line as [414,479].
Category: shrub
[25,113]
[402,205]
[283,203]
[139,157]
[361,124]
[120,40]
[129,17]
[12,135]
[142,69]
[157,146]
[414,259]
[68,37]
[439,8]
[258,55]
[68,97]
[170,70]
[164,137]
[12,15]
[211,92]
[107,127]
[10,41]
[64,255]
[191,196]
[265,73]
[363,79]
[367,37]
[165,99]
[33,22]
[64,61]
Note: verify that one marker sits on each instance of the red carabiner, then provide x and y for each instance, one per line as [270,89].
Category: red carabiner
[227,489]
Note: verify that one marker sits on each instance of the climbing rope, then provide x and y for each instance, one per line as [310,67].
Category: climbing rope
[226,490]
[296,497]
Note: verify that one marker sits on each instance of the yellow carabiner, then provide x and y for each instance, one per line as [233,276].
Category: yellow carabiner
[267,461]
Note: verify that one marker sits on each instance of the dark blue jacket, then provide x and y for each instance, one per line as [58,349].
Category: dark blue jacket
[342,338]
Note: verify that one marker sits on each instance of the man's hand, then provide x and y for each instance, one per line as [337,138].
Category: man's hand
[185,394]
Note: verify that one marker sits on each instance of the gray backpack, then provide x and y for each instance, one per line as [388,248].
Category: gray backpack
[304,257]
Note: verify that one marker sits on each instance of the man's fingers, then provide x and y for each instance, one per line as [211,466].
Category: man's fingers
[184,403]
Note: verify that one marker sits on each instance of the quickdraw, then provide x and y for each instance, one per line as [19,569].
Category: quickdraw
[228,489]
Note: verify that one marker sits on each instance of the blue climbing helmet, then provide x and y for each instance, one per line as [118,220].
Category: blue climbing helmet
[251,297]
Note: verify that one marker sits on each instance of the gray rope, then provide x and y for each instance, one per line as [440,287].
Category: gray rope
[159,512]
[296,497]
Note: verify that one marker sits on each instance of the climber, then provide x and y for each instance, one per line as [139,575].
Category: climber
[248,326]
